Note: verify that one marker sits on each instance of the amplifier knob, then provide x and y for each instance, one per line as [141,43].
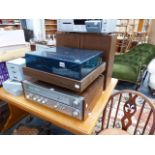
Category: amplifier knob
[43,101]
[55,106]
[75,113]
[28,96]
[76,102]
[39,100]
[34,98]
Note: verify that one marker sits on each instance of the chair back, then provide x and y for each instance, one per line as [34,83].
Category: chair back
[131,111]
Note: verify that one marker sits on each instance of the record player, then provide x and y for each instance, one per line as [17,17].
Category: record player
[64,82]
[68,62]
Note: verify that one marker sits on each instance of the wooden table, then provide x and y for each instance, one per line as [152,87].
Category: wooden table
[19,107]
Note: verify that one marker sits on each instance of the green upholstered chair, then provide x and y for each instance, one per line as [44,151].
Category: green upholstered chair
[131,65]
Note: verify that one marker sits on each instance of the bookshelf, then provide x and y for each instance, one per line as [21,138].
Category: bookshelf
[130,32]
[10,24]
[50,26]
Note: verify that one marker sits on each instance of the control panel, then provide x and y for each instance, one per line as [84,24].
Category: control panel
[56,105]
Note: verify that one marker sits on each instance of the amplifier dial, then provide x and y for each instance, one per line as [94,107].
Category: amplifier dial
[28,96]
[34,98]
[43,101]
[39,99]
[75,113]
[56,106]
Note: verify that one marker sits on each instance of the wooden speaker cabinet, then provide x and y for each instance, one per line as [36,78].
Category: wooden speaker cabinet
[92,41]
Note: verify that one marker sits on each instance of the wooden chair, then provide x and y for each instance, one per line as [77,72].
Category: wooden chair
[128,112]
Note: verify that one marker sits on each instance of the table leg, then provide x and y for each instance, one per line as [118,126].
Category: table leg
[15,116]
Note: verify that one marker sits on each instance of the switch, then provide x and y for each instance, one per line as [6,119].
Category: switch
[76,102]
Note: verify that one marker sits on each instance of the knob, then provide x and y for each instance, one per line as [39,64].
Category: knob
[28,96]
[34,98]
[39,99]
[75,113]
[56,106]
[43,101]
[76,102]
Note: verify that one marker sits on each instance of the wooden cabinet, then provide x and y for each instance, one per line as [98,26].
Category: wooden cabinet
[92,41]
[50,26]
[10,24]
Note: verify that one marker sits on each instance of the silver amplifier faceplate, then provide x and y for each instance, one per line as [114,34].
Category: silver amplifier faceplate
[54,93]
[55,98]
[58,106]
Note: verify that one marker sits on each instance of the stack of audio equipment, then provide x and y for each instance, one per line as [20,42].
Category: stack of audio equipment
[68,80]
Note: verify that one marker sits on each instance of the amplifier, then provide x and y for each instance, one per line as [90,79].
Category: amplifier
[81,25]
[68,83]
[68,62]
[77,105]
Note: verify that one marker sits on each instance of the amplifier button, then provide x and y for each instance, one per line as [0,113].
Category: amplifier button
[75,113]
[76,102]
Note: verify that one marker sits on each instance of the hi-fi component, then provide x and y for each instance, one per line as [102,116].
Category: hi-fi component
[76,105]
[87,25]
[68,83]
[73,63]
[15,69]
